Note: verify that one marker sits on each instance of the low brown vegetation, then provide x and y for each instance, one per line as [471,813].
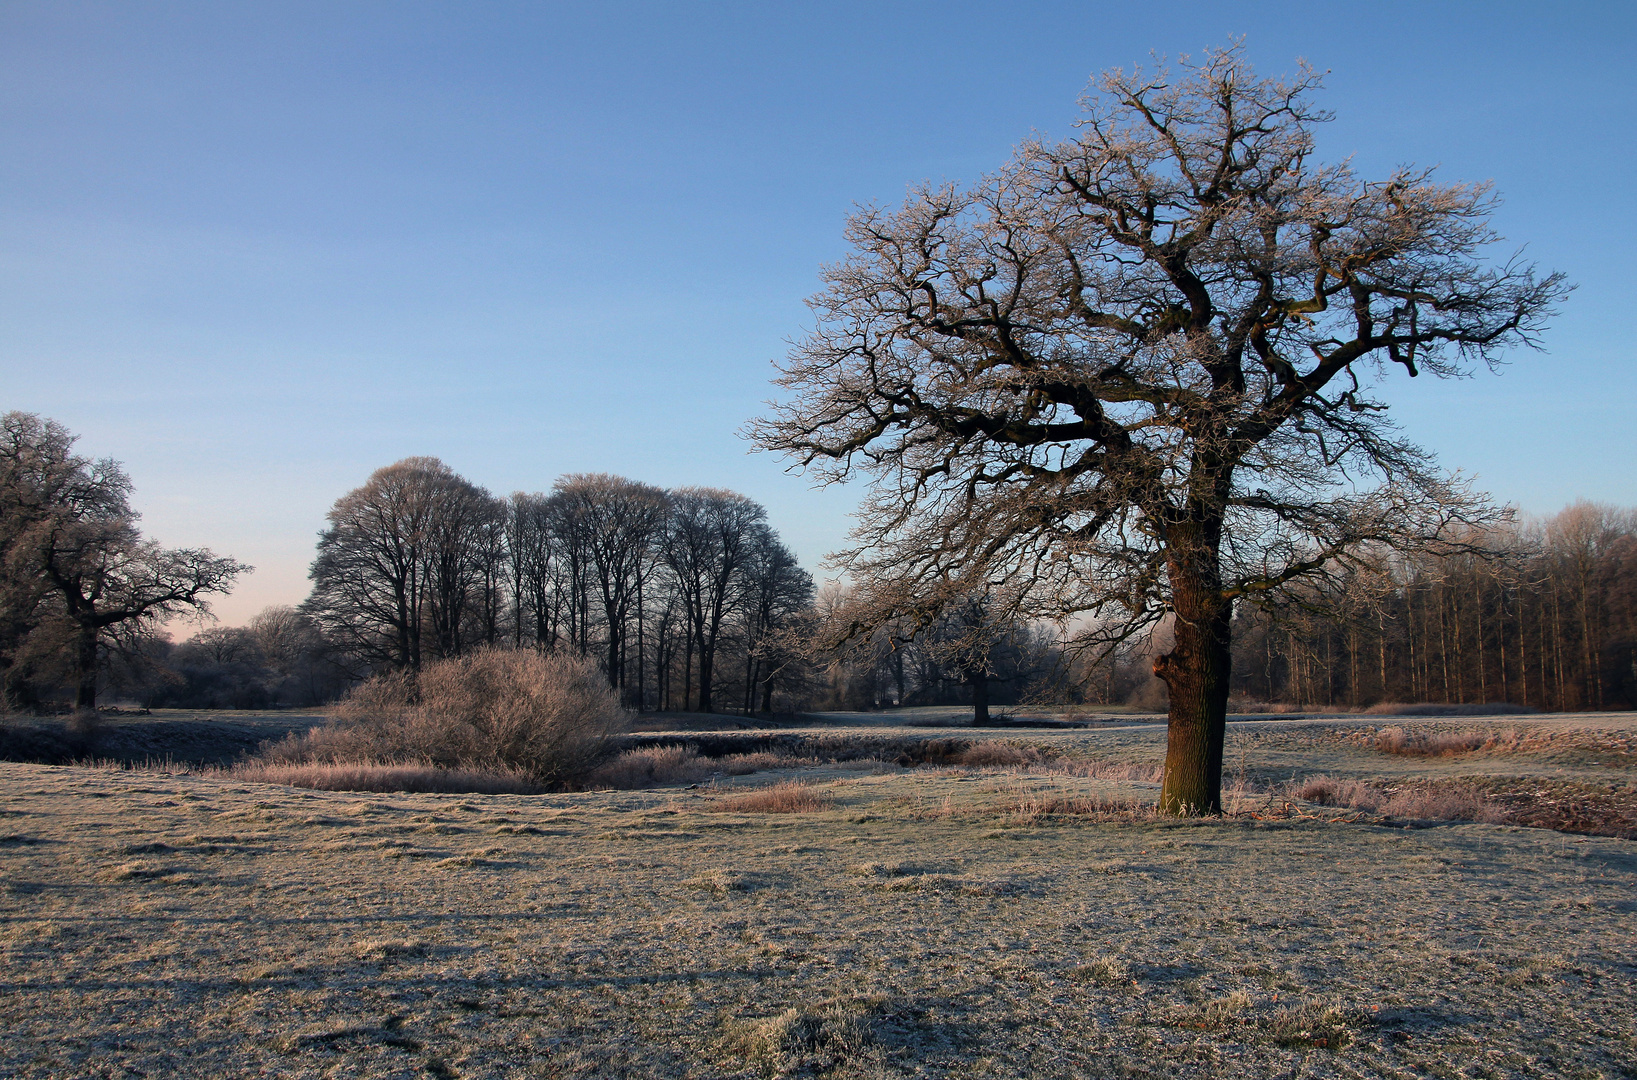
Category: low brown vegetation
[386,776]
[657,766]
[1395,740]
[544,716]
[991,754]
[1438,708]
[1441,802]
[786,797]
[650,766]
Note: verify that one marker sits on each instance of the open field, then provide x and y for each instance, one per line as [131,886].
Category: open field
[920,922]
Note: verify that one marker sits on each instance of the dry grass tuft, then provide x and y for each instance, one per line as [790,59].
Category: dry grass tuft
[1329,791]
[382,950]
[1454,802]
[1032,806]
[761,761]
[656,766]
[1103,971]
[994,754]
[722,882]
[1313,1025]
[138,871]
[1122,771]
[1397,741]
[827,1040]
[650,766]
[788,797]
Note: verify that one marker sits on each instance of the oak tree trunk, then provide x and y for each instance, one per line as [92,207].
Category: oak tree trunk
[1195,673]
[85,668]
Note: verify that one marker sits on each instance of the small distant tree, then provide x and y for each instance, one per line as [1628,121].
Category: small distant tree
[1129,375]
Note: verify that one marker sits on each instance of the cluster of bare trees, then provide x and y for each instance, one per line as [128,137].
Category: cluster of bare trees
[1545,617]
[683,596]
[970,654]
[78,582]
[279,659]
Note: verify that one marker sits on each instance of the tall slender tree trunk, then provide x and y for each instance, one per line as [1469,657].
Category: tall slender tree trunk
[642,654]
[687,672]
[706,662]
[1483,662]
[1381,649]
[1443,641]
[1523,657]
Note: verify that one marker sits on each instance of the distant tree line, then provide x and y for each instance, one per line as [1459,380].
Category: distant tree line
[1548,621]
[686,597]
[688,600]
[1545,618]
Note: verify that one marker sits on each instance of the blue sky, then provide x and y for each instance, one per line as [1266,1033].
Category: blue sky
[257,250]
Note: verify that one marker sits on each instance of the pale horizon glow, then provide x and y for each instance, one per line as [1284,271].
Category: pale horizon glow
[255,252]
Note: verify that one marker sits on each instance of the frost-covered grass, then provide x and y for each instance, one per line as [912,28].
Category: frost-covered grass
[969,921]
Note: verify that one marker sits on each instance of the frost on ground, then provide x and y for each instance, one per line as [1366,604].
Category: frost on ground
[915,923]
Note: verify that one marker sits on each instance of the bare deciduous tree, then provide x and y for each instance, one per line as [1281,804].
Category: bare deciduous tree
[402,559]
[617,522]
[74,556]
[1129,374]
[710,538]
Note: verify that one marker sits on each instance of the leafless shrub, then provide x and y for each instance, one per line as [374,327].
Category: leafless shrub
[547,716]
[788,797]
[650,766]
[386,776]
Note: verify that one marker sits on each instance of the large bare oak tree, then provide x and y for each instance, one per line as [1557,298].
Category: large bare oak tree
[1129,376]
